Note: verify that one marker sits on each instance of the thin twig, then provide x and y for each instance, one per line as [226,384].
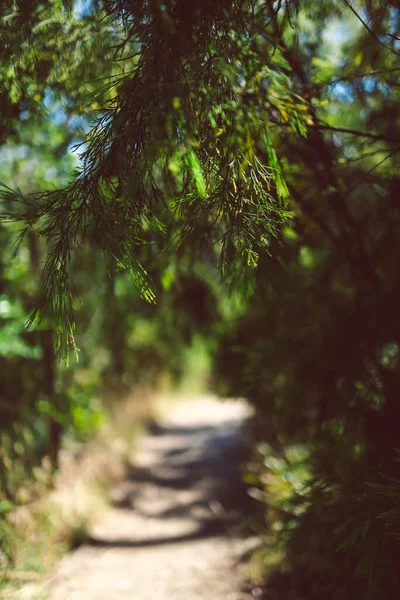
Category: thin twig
[365,175]
[360,76]
[365,134]
[367,27]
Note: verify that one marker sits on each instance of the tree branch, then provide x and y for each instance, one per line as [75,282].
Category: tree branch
[361,76]
[323,126]
[368,28]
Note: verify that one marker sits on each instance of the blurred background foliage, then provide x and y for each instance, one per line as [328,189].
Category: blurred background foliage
[317,349]
[305,323]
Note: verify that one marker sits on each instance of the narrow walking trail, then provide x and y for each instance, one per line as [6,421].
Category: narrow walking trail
[174,531]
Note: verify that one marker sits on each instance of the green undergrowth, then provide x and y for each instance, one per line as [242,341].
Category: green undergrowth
[53,513]
[319,518]
[279,481]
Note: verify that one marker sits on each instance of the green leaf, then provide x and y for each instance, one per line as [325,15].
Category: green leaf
[196,172]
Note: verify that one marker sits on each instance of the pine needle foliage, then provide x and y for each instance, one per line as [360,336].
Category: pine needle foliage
[181,154]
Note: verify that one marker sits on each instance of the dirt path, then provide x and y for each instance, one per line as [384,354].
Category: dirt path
[174,530]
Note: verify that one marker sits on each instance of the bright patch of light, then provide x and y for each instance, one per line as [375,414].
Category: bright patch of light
[5,308]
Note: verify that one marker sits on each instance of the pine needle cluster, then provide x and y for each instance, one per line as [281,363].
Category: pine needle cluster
[182,153]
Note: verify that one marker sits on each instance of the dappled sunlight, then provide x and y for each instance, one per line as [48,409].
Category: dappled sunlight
[199,323]
[181,498]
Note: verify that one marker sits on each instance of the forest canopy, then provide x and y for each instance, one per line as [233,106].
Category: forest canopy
[161,142]
[190,109]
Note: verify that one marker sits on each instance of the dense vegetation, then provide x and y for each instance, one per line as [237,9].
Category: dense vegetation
[257,138]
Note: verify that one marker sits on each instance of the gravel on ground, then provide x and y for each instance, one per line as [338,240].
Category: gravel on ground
[175,528]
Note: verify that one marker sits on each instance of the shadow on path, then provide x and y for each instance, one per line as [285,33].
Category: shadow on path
[191,476]
[175,530]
